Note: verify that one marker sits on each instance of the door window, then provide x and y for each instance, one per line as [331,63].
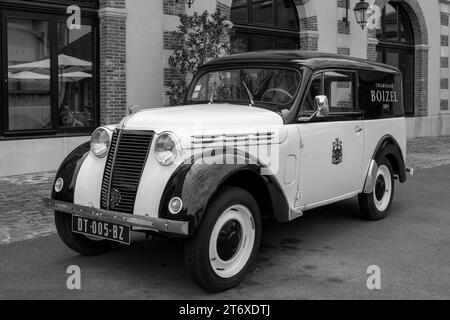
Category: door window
[339,87]
[340,90]
[314,90]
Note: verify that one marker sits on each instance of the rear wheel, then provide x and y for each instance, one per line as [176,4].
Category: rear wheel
[376,205]
[227,243]
[88,246]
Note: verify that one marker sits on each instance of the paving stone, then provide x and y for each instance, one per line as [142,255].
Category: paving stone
[22,215]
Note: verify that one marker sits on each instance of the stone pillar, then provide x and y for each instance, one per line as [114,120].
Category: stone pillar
[113,82]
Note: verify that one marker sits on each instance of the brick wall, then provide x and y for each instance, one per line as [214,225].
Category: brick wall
[173,7]
[345,51]
[444,104]
[224,9]
[372,52]
[309,41]
[444,62]
[113,84]
[445,71]
[421,81]
[343,26]
[444,19]
[309,24]
[444,40]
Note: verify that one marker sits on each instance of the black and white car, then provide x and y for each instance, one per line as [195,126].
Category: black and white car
[265,134]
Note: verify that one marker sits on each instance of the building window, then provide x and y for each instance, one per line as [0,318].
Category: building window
[265,24]
[50,85]
[396,48]
[76,99]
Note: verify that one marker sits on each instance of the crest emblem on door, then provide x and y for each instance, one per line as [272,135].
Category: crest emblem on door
[337,152]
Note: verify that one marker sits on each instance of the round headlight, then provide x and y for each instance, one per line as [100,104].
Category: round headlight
[100,143]
[166,149]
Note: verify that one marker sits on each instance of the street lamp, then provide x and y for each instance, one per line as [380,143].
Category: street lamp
[189,3]
[361,13]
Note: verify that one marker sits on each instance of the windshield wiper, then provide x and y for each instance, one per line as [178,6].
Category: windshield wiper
[252,101]
[213,91]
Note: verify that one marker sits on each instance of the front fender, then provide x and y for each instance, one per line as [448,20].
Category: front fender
[196,184]
[68,171]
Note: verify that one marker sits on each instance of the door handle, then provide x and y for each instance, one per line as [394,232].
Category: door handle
[358,129]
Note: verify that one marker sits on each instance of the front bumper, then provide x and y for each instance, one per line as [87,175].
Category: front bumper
[141,222]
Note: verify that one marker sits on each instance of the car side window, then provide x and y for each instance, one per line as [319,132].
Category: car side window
[315,89]
[340,90]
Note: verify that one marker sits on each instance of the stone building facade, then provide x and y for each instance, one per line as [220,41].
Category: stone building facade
[131,43]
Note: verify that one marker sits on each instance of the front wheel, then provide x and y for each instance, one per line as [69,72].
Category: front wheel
[376,205]
[226,245]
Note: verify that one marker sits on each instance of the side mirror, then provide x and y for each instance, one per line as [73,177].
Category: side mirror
[323,107]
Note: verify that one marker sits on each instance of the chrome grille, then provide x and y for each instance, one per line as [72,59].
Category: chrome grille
[124,166]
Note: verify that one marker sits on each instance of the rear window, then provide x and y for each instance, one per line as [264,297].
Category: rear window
[380,95]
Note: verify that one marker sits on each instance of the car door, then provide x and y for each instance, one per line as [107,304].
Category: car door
[331,154]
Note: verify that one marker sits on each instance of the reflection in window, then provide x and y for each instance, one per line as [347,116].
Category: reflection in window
[396,48]
[287,18]
[263,12]
[265,24]
[340,92]
[396,26]
[273,86]
[390,24]
[239,11]
[28,74]
[315,90]
[75,77]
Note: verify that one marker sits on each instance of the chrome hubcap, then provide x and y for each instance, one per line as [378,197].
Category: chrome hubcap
[232,241]
[383,188]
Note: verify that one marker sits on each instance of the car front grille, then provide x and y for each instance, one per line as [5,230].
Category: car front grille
[124,166]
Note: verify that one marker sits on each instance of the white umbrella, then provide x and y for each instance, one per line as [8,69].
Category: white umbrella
[28,75]
[64,61]
[75,76]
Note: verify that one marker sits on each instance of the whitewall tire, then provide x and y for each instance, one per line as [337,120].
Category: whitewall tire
[220,255]
[377,205]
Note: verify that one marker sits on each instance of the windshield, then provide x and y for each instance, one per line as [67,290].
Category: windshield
[265,86]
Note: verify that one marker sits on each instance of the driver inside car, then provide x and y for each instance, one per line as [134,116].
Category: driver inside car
[280,89]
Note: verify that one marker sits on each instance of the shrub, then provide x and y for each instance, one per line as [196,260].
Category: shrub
[198,39]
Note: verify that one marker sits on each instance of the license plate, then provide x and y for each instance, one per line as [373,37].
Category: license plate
[100,229]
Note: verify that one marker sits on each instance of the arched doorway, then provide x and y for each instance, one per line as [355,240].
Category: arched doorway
[265,24]
[396,47]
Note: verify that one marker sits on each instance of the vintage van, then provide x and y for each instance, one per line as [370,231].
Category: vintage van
[264,134]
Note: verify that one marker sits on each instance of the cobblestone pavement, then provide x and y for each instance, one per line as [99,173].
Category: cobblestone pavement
[426,153]
[23,217]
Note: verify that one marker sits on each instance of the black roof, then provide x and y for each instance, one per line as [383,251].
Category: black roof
[311,59]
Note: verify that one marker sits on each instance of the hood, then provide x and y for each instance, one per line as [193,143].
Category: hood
[203,117]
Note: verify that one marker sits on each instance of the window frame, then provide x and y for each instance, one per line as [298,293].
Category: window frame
[334,116]
[202,72]
[56,130]
[249,29]
[384,46]
[402,19]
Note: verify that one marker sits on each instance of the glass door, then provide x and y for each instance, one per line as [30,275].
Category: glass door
[27,75]
[48,75]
